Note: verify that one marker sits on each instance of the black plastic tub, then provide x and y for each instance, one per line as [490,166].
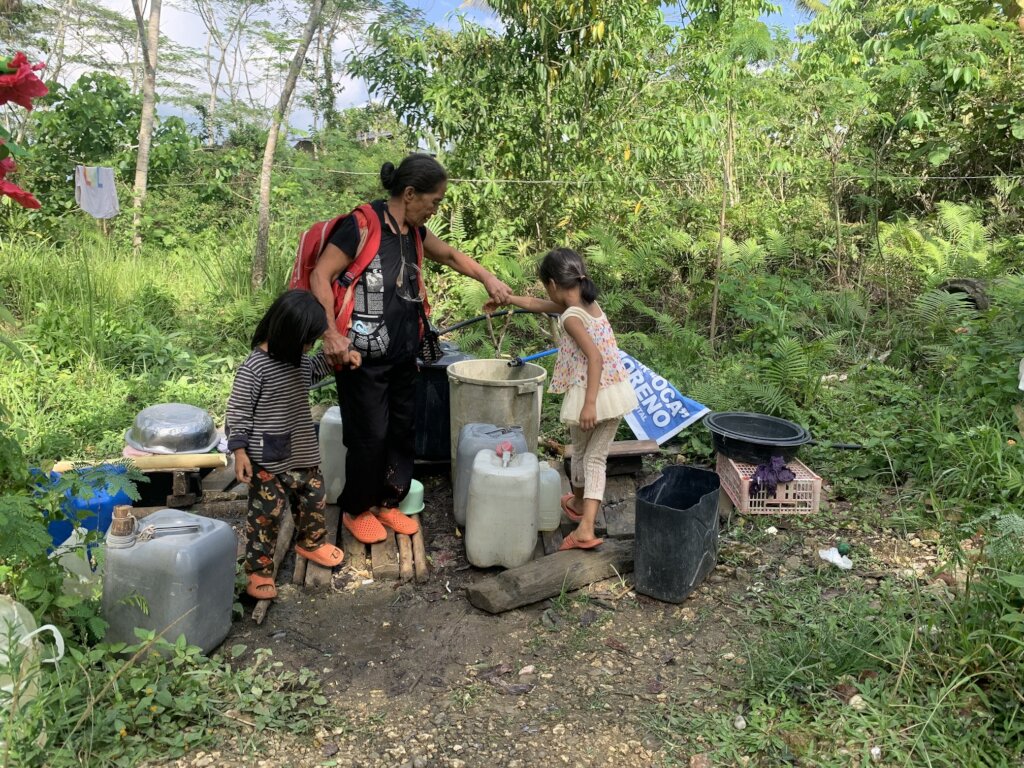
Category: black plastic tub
[676,543]
[753,438]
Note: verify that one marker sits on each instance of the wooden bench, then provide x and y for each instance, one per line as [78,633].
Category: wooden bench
[625,457]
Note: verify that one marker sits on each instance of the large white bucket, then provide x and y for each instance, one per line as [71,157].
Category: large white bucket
[493,392]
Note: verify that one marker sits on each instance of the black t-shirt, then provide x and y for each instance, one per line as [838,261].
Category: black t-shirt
[385,326]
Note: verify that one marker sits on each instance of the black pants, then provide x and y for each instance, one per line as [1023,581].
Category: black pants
[378,415]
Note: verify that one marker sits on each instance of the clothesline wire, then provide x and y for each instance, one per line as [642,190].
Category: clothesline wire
[762,177]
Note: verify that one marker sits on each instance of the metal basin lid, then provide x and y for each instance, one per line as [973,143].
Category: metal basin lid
[173,428]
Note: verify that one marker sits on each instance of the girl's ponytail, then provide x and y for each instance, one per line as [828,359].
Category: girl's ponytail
[588,291]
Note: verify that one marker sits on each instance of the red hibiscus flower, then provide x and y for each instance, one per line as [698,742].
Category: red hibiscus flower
[20,83]
[12,190]
[19,195]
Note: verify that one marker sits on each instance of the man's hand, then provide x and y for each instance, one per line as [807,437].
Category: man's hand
[497,290]
[243,467]
[335,347]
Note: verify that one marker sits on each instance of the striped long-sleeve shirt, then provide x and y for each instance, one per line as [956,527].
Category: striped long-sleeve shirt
[268,411]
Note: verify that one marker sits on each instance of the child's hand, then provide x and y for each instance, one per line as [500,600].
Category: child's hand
[352,358]
[588,417]
[491,306]
[243,467]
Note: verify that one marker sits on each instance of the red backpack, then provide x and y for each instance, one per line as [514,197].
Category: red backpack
[312,244]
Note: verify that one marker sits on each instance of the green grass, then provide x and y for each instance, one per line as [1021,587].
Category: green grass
[940,679]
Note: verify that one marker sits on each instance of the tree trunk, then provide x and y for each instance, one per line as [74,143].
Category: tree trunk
[149,35]
[728,190]
[259,260]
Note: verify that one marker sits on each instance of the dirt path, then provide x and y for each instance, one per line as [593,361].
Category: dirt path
[416,677]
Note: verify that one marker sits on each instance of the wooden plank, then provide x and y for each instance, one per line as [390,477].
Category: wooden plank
[180,495]
[620,448]
[284,542]
[404,557]
[384,558]
[221,478]
[355,551]
[419,556]
[548,576]
[318,575]
[550,541]
[299,573]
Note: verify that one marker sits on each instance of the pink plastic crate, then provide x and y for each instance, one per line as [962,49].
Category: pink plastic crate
[802,496]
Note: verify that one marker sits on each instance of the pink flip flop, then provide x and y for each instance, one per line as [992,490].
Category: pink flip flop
[569,512]
[571,542]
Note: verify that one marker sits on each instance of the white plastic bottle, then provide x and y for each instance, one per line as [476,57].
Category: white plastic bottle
[501,514]
[549,498]
[332,453]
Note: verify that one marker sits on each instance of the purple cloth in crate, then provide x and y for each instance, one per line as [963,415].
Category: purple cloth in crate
[768,476]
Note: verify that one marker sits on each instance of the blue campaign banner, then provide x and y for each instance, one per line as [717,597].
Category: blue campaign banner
[663,412]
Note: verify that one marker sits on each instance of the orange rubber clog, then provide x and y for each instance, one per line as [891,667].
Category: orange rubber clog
[260,587]
[365,527]
[398,522]
[326,555]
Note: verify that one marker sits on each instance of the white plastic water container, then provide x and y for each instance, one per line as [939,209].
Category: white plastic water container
[501,514]
[549,498]
[183,567]
[332,454]
[19,655]
[474,438]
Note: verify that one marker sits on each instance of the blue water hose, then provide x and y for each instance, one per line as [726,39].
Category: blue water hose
[516,362]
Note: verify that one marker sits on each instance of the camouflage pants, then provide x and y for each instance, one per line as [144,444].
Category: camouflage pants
[269,495]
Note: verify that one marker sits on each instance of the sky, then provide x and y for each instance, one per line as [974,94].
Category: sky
[186,28]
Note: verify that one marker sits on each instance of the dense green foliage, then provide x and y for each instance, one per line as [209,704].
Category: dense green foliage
[812,194]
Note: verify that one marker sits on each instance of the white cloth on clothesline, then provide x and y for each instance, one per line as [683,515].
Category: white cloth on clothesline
[95,191]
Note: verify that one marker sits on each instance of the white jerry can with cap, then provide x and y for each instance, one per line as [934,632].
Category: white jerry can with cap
[174,573]
[19,655]
[501,512]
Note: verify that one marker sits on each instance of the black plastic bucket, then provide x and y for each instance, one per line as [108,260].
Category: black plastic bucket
[433,406]
[676,533]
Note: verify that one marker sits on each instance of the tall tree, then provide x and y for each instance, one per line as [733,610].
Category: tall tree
[227,23]
[259,261]
[149,39]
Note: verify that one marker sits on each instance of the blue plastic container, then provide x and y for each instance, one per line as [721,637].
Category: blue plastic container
[93,513]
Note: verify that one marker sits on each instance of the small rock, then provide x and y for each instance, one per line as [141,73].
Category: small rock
[558,730]
[529,669]
[419,762]
[916,543]
[857,702]
[700,761]
[739,723]
[330,749]
[771,530]
[728,656]
[793,563]
[876,754]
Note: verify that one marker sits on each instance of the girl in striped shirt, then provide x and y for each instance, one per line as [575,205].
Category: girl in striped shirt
[270,431]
